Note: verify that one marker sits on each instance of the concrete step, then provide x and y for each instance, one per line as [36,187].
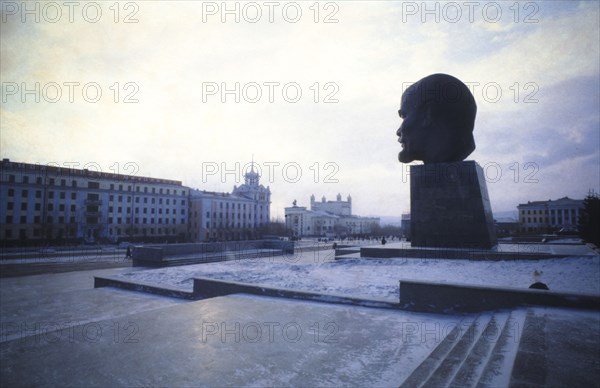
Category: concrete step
[426,368]
[475,362]
[445,372]
[421,376]
[499,365]
[477,352]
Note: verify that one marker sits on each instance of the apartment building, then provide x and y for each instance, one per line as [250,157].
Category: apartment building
[44,203]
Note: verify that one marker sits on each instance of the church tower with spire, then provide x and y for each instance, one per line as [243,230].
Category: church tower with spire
[251,177]
[242,214]
[261,195]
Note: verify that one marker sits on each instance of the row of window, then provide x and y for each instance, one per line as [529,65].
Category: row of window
[62,207]
[145,220]
[38,194]
[111,198]
[145,210]
[535,220]
[243,215]
[8,233]
[243,205]
[214,214]
[545,212]
[228,225]
[159,231]
[40,181]
[38,206]
[152,191]
[61,220]
[71,232]
[63,194]
[557,220]
[535,211]
[37,219]
[93,185]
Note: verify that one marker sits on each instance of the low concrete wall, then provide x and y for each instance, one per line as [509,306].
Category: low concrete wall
[210,288]
[414,296]
[155,254]
[142,287]
[451,298]
[425,253]
[345,249]
[285,246]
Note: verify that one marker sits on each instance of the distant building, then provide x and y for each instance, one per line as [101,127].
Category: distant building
[48,204]
[239,215]
[506,226]
[41,203]
[337,207]
[544,216]
[327,218]
[405,225]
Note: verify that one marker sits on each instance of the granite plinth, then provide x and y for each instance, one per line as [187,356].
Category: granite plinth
[450,206]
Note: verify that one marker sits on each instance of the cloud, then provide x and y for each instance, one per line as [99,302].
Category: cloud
[367,56]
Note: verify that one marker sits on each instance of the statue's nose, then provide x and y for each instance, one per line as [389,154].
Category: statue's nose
[399,132]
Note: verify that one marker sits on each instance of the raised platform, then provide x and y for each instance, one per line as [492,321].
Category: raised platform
[502,251]
[414,295]
[205,288]
[164,290]
[456,298]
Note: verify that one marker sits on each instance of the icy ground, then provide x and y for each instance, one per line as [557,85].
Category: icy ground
[378,278]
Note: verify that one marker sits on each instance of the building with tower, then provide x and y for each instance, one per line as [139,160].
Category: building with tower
[239,215]
[337,207]
[327,219]
[56,205]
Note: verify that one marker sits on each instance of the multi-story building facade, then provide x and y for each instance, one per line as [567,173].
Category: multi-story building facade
[239,215]
[338,207]
[545,216]
[327,218]
[57,204]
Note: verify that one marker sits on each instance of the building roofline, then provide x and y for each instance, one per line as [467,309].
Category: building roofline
[550,202]
[58,171]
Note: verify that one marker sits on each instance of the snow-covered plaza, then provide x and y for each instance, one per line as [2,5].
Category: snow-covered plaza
[317,271]
[59,329]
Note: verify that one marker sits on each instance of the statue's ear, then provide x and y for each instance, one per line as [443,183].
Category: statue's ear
[428,113]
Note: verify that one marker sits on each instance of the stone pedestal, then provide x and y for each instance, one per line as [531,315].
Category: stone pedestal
[450,206]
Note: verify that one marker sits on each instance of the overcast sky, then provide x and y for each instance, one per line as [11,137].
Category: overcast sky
[533,69]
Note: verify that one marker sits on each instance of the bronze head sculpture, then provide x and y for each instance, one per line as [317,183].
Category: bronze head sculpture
[438,114]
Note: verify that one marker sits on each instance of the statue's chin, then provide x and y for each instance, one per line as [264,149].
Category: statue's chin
[403,157]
